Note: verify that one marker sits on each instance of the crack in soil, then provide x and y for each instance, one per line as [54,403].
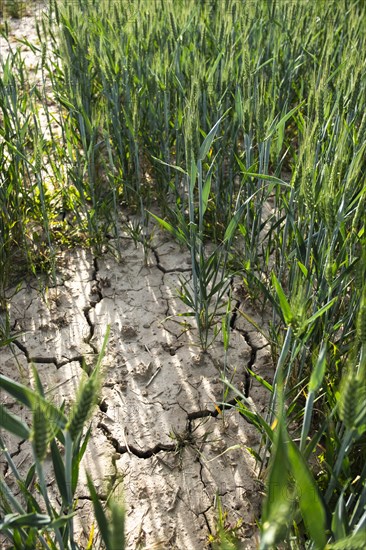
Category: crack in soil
[88,338]
[22,348]
[89,499]
[161,447]
[207,523]
[38,359]
[96,291]
[163,269]
[131,449]
[78,359]
[252,346]
[251,361]
[12,455]
[203,413]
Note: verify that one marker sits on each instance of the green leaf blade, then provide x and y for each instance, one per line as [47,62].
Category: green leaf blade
[13,424]
[284,304]
[311,505]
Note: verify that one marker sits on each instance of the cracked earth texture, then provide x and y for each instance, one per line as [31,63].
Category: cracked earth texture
[157,437]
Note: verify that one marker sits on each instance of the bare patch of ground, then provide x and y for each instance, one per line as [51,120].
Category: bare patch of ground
[160,436]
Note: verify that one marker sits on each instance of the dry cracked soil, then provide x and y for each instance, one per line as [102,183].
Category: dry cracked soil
[159,436]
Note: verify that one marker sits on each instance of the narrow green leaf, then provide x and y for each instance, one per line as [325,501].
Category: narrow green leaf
[248,414]
[231,228]
[303,268]
[284,305]
[37,381]
[286,117]
[255,454]
[102,352]
[30,476]
[339,519]
[206,193]
[318,372]
[256,419]
[31,399]
[61,521]
[99,514]
[266,177]
[278,503]
[311,505]
[192,182]
[8,500]
[354,542]
[254,324]
[59,469]
[172,230]
[13,424]
[320,311]
[307,419]
[261,380]
[117,541]
[178,168]
[17,152]
[225,333]
[19,391]
[29,45]
[205,147]
[186,313]
[78,453]
[245,406]
[213,66]
[25,520]
[65,102]
[248,402]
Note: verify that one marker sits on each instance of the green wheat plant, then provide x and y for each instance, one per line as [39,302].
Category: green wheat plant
[210,281]
[336,517]
[30,518]
[12,8]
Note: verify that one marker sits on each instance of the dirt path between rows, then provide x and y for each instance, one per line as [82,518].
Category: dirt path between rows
[157,437]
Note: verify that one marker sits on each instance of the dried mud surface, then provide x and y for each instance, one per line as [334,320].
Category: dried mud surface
[159,436]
